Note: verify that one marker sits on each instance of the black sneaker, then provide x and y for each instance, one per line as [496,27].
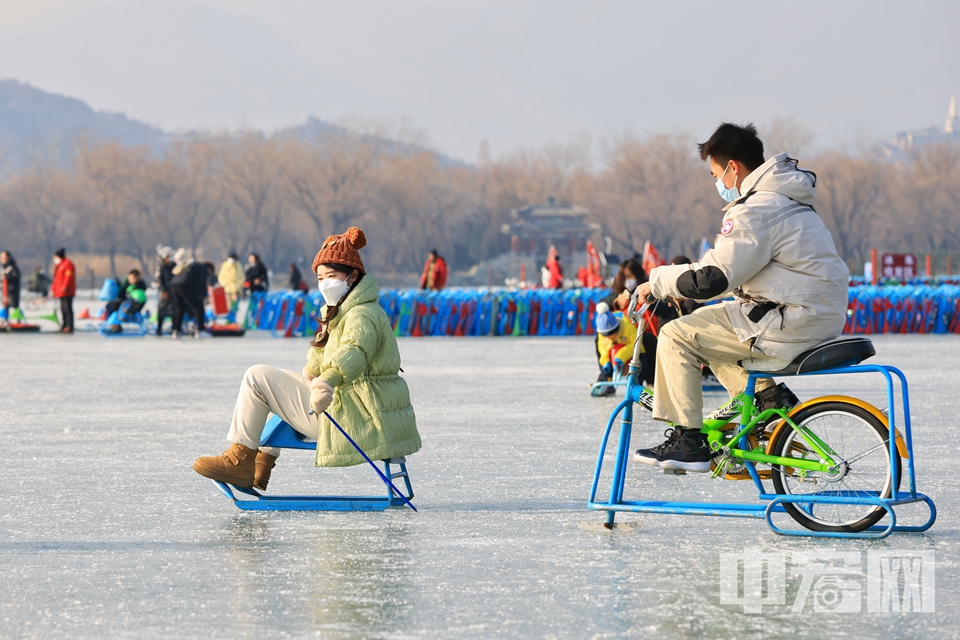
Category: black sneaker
[778,397]
[683,449]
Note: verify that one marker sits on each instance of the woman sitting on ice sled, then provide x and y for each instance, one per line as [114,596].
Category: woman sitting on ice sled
[352,372]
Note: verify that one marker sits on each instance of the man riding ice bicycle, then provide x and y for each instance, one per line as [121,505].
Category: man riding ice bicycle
[776,258]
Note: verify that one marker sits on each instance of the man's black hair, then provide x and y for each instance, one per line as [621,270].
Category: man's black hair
[134,272]
[734,142]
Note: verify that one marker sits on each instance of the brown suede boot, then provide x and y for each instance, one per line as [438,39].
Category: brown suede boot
[265,463]
[236,466]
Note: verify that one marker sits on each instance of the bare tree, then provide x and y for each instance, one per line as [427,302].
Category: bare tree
[786,135]
[850,197]
[110,172]
[44,200]
[333,185]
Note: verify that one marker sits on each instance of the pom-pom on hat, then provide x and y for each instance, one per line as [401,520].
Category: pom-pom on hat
[342,249]
[606,323]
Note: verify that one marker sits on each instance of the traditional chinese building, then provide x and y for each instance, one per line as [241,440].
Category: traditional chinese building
[537,227]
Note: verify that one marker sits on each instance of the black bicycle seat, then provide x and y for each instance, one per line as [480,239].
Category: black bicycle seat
[839,353]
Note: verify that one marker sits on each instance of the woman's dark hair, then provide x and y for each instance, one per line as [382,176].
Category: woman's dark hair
[619,281]
[293,265]
[734,142]
[256,256]
[320,340]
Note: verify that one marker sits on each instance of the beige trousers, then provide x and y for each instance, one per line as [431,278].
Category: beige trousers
[705,337]
[266,390]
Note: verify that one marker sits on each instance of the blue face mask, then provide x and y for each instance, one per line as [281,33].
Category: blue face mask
[727,194]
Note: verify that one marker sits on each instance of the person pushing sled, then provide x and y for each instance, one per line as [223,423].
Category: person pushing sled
[352,373]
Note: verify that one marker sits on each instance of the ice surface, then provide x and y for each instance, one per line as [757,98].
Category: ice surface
[105,531]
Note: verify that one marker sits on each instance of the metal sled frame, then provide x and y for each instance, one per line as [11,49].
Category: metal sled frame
[278,433]
[773,502]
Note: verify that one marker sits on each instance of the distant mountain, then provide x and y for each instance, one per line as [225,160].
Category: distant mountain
[35,122]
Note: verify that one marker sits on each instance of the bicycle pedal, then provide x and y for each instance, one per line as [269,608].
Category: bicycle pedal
[675,472]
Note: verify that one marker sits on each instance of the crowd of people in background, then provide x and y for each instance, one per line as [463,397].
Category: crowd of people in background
[182,285]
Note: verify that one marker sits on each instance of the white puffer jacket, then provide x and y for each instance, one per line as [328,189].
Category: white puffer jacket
[772,248]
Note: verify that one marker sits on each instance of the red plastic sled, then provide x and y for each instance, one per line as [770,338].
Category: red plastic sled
[22,327]
[226,330]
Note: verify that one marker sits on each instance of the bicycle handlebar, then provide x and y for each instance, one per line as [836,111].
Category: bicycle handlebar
[636,314]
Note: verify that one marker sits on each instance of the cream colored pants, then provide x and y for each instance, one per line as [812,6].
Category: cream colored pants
[706,337]
[266,390]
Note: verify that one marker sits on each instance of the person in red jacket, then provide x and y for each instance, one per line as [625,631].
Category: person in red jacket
[552,273]
[434,272]
[64,287]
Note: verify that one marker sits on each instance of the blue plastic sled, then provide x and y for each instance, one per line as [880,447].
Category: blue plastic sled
[278,433]
[131,325]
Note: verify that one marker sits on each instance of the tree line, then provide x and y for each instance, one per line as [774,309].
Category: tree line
[281,197]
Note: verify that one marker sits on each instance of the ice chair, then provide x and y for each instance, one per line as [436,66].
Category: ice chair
[280,434]
[130,323]
[844,356]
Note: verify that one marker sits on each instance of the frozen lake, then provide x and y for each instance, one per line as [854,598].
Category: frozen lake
[105,530]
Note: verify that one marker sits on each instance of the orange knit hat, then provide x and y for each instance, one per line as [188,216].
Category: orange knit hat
[342,249]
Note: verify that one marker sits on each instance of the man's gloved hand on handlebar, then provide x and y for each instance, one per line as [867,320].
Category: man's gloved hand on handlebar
[643,292]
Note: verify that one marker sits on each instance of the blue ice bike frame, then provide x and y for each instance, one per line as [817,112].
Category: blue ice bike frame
[737,447]
[278,433]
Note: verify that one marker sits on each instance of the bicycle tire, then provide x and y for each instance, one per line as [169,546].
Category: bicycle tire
[853,431]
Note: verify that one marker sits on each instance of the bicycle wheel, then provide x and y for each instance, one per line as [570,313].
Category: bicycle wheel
[860,443]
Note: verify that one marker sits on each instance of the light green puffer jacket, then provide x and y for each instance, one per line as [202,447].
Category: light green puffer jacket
[370,400]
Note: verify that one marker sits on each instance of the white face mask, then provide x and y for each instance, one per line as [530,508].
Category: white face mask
[57,259]
[332,290]
[630,283]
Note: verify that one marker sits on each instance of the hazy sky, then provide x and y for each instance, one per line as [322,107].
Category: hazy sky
[515,72]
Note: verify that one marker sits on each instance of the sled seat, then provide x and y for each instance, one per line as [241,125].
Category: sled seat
[837,353]
[279,434]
